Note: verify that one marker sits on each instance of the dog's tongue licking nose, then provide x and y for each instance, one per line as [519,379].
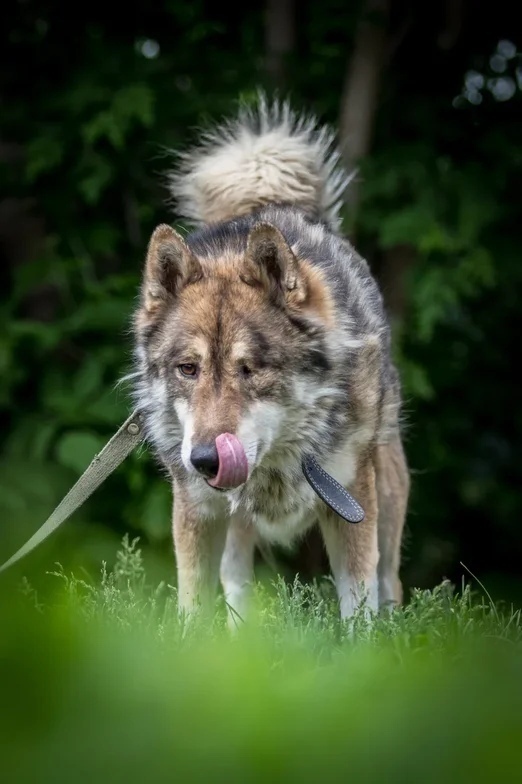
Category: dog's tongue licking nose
[233,464]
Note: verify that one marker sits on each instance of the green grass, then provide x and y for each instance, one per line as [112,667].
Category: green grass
[103,683]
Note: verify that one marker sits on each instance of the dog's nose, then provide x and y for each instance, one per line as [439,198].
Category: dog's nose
[205,459]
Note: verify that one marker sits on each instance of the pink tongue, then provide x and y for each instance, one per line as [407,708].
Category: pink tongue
[233,464]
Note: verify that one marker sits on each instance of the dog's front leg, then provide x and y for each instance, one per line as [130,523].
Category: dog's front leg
[198,543]
[353,548]
[237,568]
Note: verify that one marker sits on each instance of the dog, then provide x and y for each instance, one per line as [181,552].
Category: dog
[260,337]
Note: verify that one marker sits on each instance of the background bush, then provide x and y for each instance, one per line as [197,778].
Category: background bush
[90,101]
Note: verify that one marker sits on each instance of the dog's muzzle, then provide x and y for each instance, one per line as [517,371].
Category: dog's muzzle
[223,464]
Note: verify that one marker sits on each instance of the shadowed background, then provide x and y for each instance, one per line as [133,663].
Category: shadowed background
[427,100]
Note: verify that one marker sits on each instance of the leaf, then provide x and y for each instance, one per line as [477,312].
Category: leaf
[476,270]
[107,315]
[130,105]
[88,380]
[28,487]
[434,294]
[134,102]
[415,380]
[105,125]
[435,237]
[98,176]
[43,437]
[44,153]
[103,238]
[156,513]
[109,408]
[76,449]
[410,224]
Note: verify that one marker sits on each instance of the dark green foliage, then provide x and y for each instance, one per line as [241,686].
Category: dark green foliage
[90,103]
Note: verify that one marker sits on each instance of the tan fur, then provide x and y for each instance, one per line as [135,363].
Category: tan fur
[318,299]
[381,481]
[353,549]
[269,330]
[168,266]
[393,487]
[199,549]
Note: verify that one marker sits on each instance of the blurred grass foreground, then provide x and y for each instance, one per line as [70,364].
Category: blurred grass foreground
[102,683]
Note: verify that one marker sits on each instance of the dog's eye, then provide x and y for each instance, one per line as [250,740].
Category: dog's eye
[188,369]
[246,371]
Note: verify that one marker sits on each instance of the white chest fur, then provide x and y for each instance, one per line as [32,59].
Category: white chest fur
[278,500]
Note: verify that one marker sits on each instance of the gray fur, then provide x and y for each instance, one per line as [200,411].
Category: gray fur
[357,398]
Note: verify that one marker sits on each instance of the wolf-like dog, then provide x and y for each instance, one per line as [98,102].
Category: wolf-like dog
[260,337]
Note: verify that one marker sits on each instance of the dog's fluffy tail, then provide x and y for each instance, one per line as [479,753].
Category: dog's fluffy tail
[266,154]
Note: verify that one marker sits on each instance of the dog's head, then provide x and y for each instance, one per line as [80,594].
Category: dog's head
[233,349]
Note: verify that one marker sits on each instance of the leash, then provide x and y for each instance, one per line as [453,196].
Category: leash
[112,455]
[124,441]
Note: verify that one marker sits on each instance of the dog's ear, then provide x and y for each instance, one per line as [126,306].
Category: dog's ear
[270,263]
[169,266]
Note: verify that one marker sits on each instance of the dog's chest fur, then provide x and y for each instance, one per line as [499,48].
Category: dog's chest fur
[278,501]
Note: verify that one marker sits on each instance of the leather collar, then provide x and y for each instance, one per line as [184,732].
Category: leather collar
[331,492]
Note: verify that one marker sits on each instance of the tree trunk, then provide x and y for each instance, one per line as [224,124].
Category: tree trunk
[361,89]
[455,11]
[279,39]
[22,239]
[372,50]
[393,271]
